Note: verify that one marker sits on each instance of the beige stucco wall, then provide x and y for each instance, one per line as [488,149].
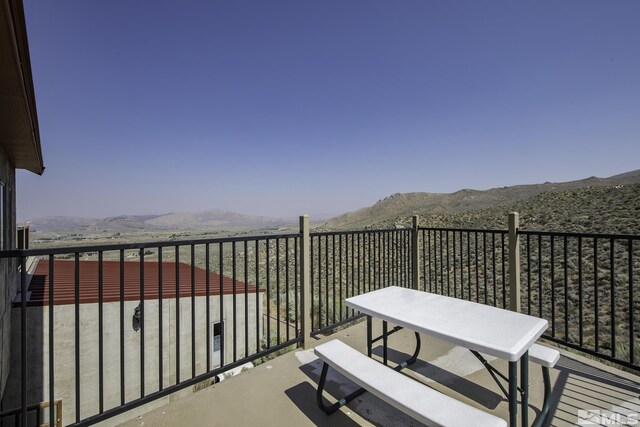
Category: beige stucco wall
[8,270]
[64,347]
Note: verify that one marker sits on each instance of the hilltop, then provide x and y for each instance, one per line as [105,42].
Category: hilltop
[599,204]
[593,210]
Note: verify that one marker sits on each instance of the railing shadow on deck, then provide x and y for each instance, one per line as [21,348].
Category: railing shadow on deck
[595,388]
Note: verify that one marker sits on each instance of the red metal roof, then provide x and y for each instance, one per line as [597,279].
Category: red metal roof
[64,282]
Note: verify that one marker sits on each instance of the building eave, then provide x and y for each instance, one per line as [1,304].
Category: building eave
[19,130]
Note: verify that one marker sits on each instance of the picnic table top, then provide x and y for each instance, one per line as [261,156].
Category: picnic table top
[490,330]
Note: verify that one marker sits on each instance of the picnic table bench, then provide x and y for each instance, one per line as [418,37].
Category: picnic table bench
[480,328]
[404,393]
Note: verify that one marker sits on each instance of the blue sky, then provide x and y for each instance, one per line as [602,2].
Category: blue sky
[289,107]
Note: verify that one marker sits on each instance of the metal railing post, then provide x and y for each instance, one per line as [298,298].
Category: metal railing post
[305,282]
[514,262]
[415,254]
[23,341]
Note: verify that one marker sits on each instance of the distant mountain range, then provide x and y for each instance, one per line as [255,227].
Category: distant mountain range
[133,223]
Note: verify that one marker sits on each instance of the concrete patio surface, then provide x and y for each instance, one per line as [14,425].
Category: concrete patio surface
[281,391]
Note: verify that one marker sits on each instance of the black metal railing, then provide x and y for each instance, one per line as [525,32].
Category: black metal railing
[466,263]
[108,328]
[584,285]
[349,263]
[132,323]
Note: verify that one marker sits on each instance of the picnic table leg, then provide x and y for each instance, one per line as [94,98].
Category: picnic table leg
[513,394]
[384,342]
[524,385]
[384,337]
[369,336]
[544,412]
[330,409]
[493,372]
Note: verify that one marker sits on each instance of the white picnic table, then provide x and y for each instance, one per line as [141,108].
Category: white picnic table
[489,330]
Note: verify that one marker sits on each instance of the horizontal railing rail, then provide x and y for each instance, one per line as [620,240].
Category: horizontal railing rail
[356,232]
[16,253]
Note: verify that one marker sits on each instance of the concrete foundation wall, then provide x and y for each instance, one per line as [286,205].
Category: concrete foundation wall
[64,350]
[8,269]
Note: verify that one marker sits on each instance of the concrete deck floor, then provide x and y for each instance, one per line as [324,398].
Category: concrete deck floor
[281,392]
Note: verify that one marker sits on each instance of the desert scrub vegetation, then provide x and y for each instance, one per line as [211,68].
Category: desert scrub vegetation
[614,210]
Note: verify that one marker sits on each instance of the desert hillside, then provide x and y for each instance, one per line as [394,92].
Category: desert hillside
[592,204]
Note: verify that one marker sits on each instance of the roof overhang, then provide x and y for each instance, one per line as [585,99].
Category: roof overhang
[19,132]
